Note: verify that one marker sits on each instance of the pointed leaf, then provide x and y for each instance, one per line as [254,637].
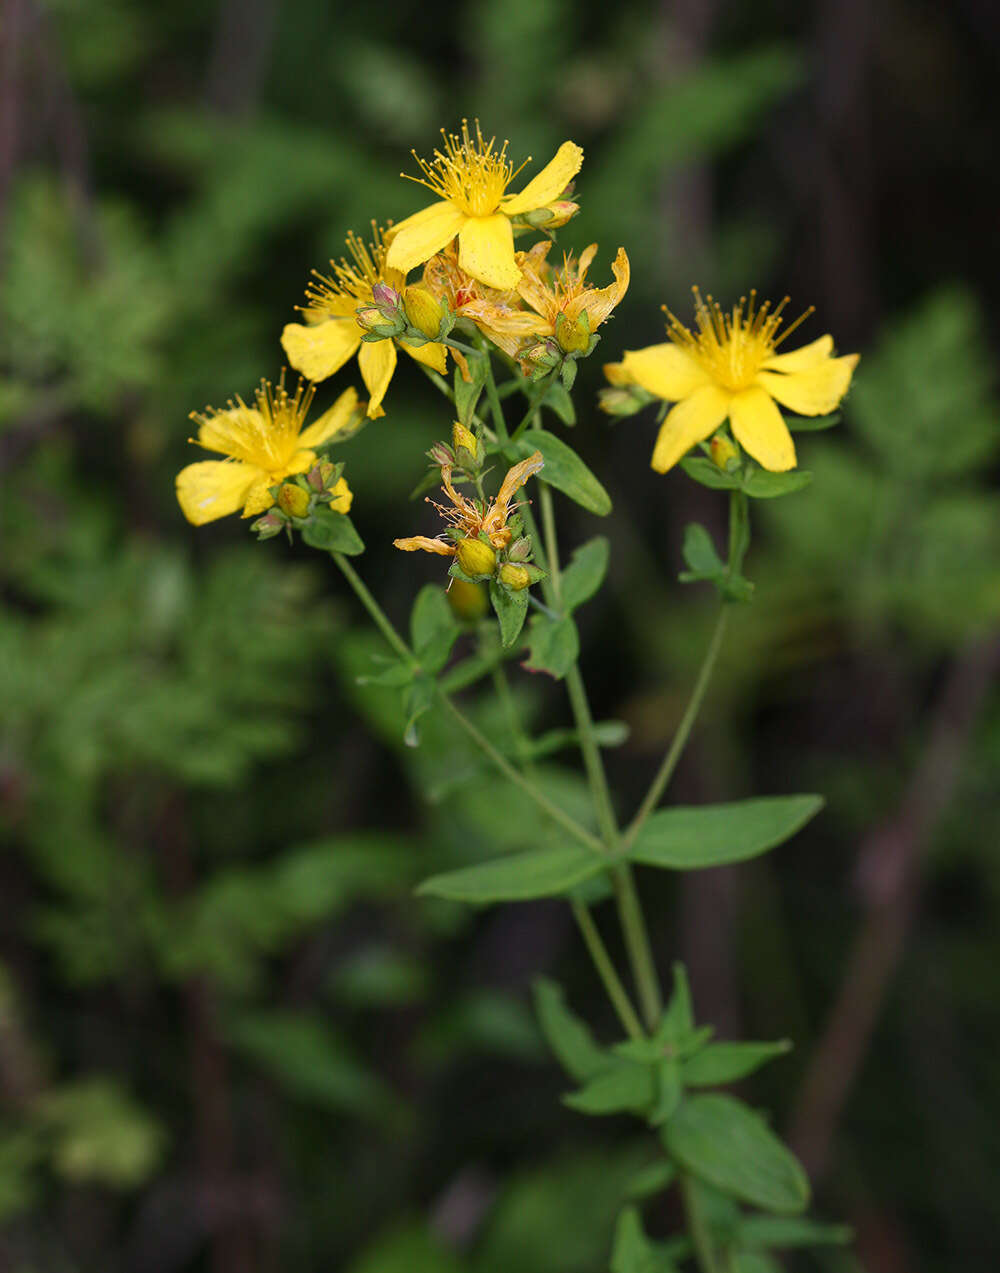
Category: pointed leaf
[563,469]
[699,553]
[627,1087]
[709,474]
[727,1062]
[568,1036]
[784,1232]
[688,838]
[728,1145]
[511,608]
[633,1252]
[760,484]
[518,878]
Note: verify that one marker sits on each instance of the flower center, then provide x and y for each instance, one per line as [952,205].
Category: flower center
[469,172]
[732,347]
[267,437]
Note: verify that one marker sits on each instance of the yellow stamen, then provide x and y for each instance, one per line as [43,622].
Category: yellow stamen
[469,172]
[351,279]
[732,347]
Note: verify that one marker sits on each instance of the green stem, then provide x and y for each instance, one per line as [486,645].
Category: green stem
[500,761]
[606,970]
[701,1236]
[679,741]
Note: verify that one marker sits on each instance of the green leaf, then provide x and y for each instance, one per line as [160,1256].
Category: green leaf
[668,1091]
[518,878]
[553,645]
[607,733]
[408,1250]
[568,1036]
[723,1142]
[760,484]
[332,532]
[699,553]
[727,1062]
[753,1262]
[563,469]
[633,1252]
[709,474]
[678,1019]
[585,573]
[397,674]
[433,629]
[416,702]
[791,1231]
[467,391]
[627,1087]
[310,1061]
[511,609]
[689,838]
[559,401]
[654,1179]
[811,423]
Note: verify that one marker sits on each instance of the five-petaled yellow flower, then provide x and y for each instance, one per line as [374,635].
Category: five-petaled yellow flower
[263,444]
[331,333]
[472,518]
[730,368]
[470,177]
[559,300]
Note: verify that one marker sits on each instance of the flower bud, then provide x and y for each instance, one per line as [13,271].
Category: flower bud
[423,311]
[573,335]
[468,601]
[520,550]
[724,452]
[293,500]
[624,401]
[271,524]
[377,325]
[341,496]
[475,557]
[552,216]
[514,577]
[440,455]
[320,475]
[463,437]
[385,297]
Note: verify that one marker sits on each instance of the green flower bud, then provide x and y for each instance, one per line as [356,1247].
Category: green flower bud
[476,558]
[517,578]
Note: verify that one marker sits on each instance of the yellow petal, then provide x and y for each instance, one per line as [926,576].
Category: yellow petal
[213,488]
[691,421]
[486,251]
[377,361]
[440,546]
[512,483]
[416,239]
[800,359]
[330,423]
[602,300]
[549,183]
[318,351]
[506,328]
[814,391]
[761,431]
[258,497]
[665,370]
[431,355]
[616,374]
[235,431]
[343,496]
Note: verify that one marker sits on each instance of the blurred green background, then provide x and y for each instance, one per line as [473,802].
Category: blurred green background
[230,1037]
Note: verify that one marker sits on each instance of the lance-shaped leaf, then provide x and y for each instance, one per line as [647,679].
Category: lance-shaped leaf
[627,1087]
[633,1252]
[563,469]
[511,608]
[519,877]
[333,532]
[726,1062]
[725,1143]
[585,573]
[688,838]
[553,645]
[784,1232]
[568,1036]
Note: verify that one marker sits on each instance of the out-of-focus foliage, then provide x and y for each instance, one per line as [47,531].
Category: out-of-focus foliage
[222,1011]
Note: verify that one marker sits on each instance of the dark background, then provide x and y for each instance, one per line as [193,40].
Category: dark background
[230,1038]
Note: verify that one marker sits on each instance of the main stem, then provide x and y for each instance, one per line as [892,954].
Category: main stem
[701,1235]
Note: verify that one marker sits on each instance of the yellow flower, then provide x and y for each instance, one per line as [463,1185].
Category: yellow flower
[730,368]
[471,518]
[263,444]
[560,302]
[331,333]
[470,177]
